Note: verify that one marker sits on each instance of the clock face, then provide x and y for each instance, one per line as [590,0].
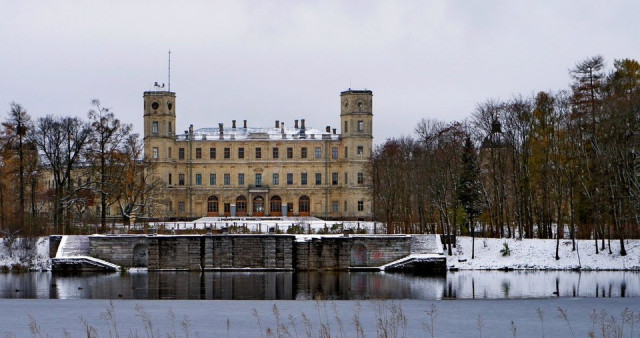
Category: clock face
[155,105]
[360,104]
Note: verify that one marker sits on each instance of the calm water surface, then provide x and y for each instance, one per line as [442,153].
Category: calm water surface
[319,285]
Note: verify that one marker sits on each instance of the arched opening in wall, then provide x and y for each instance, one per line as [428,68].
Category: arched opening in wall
[358,255]
[258,206]
[241,206]
[212,206]
[141,256]
[275,206]
[304,206]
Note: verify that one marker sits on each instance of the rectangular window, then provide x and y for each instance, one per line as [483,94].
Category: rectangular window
[276,179]
[212,153]
[303,178]
[258,152]
[227,153]
[155,153]
[334,178]
[360,178]
[154,127]
[360,126]
[181,153]
[240,152]
[181,207]
[334,206]
[212,179]
[170,156]
[170,206]
[227,208]
[275,152]
[289,178]
[180,179]
[318,152]
[227,179]
[258,180]
[170,183]
[198,152]
[360,205]
[346,126]
[240,179]
[334,152]
[289,152]
[346,178]
[169,128]
[198,179]
[303,152]
[318,178]
[360,151]
[346,152]
[345,206]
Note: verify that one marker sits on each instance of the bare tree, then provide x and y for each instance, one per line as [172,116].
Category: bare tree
[61,142]
[108,137]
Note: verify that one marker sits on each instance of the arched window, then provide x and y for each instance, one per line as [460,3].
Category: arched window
[241,206]
[275,206]
[212,205]
[258,205]
[304,206]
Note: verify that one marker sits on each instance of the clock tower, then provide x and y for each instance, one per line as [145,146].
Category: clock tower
[159,122]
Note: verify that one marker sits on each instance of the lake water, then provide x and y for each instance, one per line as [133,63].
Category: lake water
[143,285]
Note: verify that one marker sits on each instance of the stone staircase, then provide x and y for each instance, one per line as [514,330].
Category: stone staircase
[71,246]
[73,255]
[426,244]
[426,256]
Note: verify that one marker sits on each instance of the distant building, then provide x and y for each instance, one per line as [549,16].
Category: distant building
[270,171]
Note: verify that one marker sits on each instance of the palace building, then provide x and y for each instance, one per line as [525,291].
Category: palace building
[242,171]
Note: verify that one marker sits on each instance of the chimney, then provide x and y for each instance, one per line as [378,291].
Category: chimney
[334,131]
[302,124]
[191,129]
[296,124]
[277,124]
[221,128]
[233,124]
[328,130]
[245,124]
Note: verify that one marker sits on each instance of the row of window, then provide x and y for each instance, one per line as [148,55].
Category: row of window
[275,179]
[275,205]
[275,153]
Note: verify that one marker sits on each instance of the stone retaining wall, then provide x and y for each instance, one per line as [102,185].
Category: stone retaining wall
[257,252]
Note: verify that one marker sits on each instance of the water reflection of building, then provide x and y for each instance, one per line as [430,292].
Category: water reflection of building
[248,171]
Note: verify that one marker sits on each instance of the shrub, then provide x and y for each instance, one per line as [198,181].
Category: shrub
[505,251]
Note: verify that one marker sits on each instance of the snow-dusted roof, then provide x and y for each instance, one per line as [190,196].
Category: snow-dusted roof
[260,134]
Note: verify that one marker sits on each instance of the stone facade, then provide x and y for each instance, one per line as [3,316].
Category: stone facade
[277,171]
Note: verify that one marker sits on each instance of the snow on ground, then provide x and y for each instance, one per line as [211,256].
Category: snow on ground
[540,254]
[263,225]
[25,253]
[524,254]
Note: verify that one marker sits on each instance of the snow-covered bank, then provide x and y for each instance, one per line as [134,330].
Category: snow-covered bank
[25,254]
[540,254]
[524,254]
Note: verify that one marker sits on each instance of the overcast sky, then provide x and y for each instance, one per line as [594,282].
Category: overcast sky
[283,60]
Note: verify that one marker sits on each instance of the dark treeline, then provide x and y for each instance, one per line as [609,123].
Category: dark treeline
[59,171]
[562,164]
